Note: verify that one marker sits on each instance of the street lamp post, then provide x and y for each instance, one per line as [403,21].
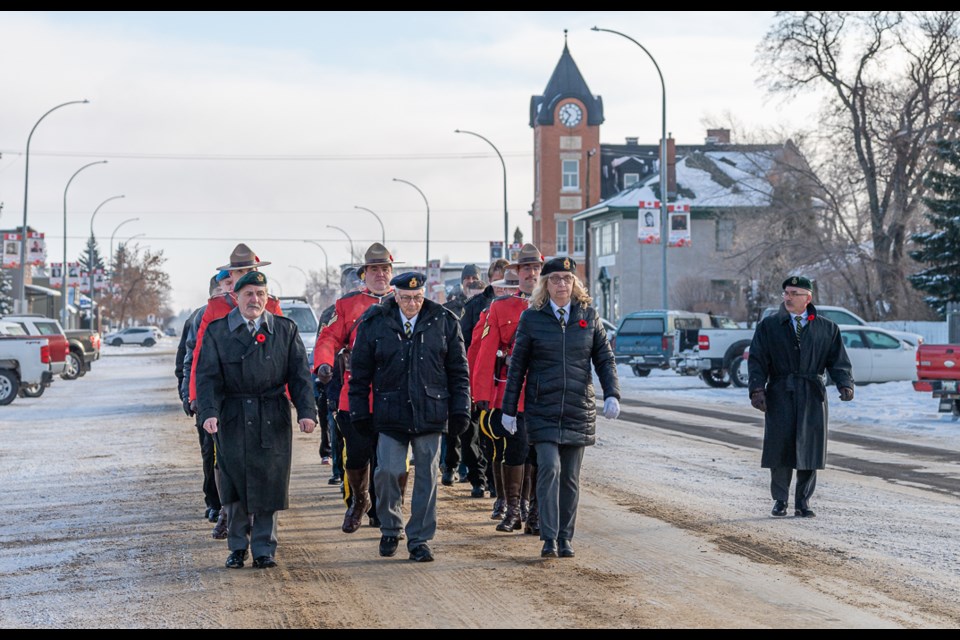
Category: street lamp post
[98,209]
[383,233]
[326,262]
[64,274]
[330,226]
[427,262]
[663,163]
[306,278]
[22,294]
[114,234]
[506,223]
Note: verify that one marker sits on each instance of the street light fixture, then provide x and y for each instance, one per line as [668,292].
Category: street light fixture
[139,235]
[663,163]
[114,234]
[427,262]
[506,223]
[330,226]
[98,209]
[306,278]
[326,262]
[383,234]
[64,274]
[22,295]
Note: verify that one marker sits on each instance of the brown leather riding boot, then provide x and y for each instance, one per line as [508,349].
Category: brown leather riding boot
[525,492]
[500,504]
[532,527]
[359,480]
[512,479]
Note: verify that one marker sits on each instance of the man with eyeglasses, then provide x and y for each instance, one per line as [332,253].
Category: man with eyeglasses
[409,356]
[788,356]
[334,344]
[518,469]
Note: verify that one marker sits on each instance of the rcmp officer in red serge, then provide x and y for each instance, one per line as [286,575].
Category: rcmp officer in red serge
[409,353]
[251,359]
[518,471]
[336,339]
[788,355]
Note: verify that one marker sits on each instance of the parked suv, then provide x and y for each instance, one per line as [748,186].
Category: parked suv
[297,309]
[144,336]
[645,339]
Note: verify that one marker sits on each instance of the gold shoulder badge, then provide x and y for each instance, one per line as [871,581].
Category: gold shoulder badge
[486,330]
[333,319]
[566,263]
[413,283]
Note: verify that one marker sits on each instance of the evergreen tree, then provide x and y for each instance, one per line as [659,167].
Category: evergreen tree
[91,258]
[6,293]
[940,247]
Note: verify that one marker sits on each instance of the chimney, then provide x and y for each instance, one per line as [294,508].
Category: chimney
[632,141]
[671,167]
[718,136]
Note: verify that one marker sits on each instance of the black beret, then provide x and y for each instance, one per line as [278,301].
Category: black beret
[555,265]
[255,278]
[801,282]
[409,281]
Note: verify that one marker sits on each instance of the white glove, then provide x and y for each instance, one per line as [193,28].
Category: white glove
[611,408]
[509,423]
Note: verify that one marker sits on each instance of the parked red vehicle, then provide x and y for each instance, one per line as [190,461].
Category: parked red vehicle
[938,371]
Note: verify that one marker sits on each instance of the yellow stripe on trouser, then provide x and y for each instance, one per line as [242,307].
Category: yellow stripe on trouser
[488,431]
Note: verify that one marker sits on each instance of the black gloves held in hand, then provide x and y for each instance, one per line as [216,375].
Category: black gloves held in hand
[188,409]
[759,400]
[459,423]
[846,394]
[324,373]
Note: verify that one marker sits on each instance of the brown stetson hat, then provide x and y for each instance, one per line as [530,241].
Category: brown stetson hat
[377,254]
[511,280]
[529,254]
[242,257]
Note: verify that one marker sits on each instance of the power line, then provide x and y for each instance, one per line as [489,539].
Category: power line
[49,236]
[267,158]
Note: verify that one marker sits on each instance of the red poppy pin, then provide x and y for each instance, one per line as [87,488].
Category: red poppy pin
[261,338]
[810,317]
[583,324]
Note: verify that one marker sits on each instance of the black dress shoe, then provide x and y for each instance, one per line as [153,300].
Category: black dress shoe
[388,545]
[566,551]
[264,562]
[421,553]
[207,512]
[236,558]
[549,549]
[213,515]
[448,478]
[804,512]
[335,480]
[779,508]
[478,491]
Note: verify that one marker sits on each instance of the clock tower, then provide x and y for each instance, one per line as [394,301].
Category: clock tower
[566,122]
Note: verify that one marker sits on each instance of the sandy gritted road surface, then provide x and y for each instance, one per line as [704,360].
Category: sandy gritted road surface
[101,511]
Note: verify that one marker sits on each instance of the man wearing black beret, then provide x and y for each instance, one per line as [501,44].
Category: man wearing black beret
[409,353]
[788,356]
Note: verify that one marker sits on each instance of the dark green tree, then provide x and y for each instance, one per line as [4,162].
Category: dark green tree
[91,258]
[939,248]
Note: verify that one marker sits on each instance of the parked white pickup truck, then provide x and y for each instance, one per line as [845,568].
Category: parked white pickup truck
[24,361]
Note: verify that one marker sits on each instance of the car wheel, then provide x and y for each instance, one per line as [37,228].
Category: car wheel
[149,342]
[738,373]
[717,378]
[73,368]
[9,386]
[117,342]
[32,390]
[640,372]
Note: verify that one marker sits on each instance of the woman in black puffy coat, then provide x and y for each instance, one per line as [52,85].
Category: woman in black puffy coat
[558,339]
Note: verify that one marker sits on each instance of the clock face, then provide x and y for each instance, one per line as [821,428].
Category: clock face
[570,115]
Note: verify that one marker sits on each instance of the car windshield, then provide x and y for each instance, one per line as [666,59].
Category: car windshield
[306,323]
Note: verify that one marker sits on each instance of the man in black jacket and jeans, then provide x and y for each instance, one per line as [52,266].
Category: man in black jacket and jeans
[409,356]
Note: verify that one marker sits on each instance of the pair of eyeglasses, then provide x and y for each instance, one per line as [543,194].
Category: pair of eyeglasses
[794,294]
[560,279]
[409,299]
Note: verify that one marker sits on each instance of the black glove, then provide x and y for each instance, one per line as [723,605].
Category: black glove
[483,405]
[187,409]
[325,373]
[759,400]
[458,424]
[846,394]
[363,426]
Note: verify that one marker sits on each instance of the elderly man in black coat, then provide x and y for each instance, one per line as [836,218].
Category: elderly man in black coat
[408,381]
[788,355]
[250,359]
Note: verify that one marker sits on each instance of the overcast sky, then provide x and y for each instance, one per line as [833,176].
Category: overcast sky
[267,127]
